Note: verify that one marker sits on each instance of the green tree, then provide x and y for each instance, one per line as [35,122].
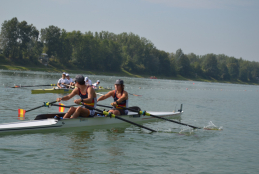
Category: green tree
[9,37]
[184,67]
[233,67]
[64,50]
[27,35]
[210,66]
[196,69]
[51,38]
[223,75]
[172,64]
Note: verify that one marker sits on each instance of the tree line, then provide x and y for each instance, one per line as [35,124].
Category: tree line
[106,51]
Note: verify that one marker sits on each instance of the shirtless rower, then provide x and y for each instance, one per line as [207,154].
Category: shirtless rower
[88,97]
[120,98]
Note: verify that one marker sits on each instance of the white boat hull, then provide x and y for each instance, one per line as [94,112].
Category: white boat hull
[92,122]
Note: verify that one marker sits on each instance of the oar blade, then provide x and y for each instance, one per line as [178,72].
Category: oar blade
[16,86]
[61,109]
[135,95]
[21,114]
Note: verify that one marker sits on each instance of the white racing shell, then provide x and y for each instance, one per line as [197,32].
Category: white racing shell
[52,123]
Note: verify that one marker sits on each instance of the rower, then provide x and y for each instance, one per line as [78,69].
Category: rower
[70,80]
[96,85]
[88,97]
[120,98]
[88,81]
[62,81]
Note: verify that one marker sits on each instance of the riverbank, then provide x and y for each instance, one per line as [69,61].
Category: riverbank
[123,72]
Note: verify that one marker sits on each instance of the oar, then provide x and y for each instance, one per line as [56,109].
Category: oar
[128,93]
[69,86]
[21,112]
[32,86]
[114,116]
[148,114]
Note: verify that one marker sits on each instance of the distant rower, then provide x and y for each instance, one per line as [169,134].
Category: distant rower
[96,85]
[88,81]
[70,80]
[120,98]
[62,82]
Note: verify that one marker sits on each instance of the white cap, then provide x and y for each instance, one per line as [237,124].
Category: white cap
[98,80]
[67,74]
[86,78]
[64,73]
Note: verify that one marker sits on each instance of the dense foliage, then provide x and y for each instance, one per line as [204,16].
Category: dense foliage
[106,51]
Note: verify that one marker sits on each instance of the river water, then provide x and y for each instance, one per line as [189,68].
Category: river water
[174,149]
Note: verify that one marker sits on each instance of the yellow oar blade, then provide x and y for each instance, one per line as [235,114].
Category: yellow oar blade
[21,114]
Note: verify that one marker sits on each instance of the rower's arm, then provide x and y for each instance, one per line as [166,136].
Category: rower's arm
[123,97]
[58,85]
[69,96]
[103,97]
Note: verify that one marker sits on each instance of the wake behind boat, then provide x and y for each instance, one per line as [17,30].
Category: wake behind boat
[48,122]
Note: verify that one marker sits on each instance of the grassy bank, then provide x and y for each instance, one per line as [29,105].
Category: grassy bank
[8,65]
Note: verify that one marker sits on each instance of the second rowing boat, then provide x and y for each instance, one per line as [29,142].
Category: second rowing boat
[63,90]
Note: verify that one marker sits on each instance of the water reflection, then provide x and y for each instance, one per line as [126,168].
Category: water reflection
[85,150]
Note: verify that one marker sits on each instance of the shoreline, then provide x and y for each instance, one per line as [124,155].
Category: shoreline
[121,73]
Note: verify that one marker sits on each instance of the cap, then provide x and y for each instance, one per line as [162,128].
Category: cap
[64,73]
[67,74]
[119,82]
[98,80]
[86,78]
[79,79]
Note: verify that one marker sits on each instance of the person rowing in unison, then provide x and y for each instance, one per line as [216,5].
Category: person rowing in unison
[96,85]
[88,97]
[88,81]
[62,82]
[120,98]
[70,80]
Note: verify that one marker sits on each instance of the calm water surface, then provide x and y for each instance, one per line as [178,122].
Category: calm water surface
[175,149]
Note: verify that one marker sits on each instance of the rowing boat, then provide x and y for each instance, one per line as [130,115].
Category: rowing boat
[48,122]
[63,90]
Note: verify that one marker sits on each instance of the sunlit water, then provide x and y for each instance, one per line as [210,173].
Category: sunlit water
[174,149]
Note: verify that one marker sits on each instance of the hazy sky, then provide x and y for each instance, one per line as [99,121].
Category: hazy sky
[228,27]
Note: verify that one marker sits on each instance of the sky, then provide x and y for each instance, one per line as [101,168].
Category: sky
[229,27]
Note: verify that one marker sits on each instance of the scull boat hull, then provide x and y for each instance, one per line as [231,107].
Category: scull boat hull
[92,122]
